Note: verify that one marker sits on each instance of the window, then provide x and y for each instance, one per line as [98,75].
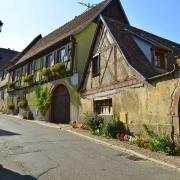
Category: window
[103,106]
[49,60]
[31,67]
[37,65]
[159,58]
[3,75]
[2,94]
[25,69]
[96,66]
[18,76]
[61,54]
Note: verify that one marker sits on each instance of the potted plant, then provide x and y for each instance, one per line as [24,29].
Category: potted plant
[10,105]
[22,104]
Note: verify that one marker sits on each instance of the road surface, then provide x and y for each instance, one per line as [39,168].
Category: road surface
[29,151]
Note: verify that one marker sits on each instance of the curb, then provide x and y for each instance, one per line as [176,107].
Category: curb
[115,147]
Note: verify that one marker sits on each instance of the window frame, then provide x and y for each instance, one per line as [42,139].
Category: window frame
[102,104]
[3,76]
[163,57]
[58,60]
[47,62]
[95,74]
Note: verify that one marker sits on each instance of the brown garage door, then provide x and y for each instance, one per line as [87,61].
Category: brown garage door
[60,110]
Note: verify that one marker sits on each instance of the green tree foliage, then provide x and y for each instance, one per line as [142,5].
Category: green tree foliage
[42,99]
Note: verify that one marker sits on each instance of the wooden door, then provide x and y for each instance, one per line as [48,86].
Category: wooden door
[60,110]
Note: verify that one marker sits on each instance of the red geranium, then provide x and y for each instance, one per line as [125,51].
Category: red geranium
[121,136]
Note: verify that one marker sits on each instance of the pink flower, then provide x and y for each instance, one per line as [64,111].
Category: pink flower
[84,127]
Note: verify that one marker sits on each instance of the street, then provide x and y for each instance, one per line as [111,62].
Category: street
[31,151]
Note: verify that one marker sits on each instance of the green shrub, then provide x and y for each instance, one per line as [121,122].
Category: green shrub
[22,104]
[46,72]
[42,99]
[115,127]
[10,105]
[162,143]
[95,124]
[28,78]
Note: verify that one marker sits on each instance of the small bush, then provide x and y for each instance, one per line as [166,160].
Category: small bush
[114,128]
[22,104]
[95,124]
[10,105]
[162,143]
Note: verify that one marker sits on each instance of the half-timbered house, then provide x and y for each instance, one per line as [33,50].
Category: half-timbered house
[68,46]
[132,74]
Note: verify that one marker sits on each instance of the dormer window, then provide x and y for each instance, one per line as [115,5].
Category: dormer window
[96,66]
[159,58]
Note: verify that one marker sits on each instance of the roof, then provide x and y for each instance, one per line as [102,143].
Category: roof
[6,55]
[65,31]
[24,51]
[123,35]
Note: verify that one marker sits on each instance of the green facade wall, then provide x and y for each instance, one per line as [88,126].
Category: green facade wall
[83,45]
[84,41]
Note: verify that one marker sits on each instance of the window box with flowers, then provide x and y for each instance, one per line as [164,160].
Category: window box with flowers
[59,69]
[12,85]
[28,78]
[46,72]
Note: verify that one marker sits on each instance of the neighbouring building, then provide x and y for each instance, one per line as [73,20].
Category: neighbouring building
[68,47]
[5,57]
[132,74]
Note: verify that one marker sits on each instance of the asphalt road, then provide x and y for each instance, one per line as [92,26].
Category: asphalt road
[29,151]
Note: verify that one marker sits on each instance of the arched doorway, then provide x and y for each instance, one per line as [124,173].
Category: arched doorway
[60,109]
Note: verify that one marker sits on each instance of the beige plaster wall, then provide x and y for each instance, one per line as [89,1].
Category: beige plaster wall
[150,105]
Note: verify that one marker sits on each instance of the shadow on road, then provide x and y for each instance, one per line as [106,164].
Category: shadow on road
[6,174]
[7,133]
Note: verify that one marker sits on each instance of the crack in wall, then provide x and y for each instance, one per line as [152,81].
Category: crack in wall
[172,96]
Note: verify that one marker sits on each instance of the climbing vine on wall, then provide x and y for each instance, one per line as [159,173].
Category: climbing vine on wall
[42,99]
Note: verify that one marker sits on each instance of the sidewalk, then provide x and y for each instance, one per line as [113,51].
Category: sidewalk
[160,158]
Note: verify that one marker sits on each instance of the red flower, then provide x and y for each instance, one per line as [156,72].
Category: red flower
[121,136]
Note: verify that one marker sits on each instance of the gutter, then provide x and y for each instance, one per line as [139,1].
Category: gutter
[165,74]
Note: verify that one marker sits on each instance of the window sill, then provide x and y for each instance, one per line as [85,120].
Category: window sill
[95,75]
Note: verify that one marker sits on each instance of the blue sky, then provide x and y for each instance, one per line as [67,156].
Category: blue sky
[25,19]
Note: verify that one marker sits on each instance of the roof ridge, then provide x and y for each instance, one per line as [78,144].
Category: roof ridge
[9,49]
[70,21]
[170,41]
